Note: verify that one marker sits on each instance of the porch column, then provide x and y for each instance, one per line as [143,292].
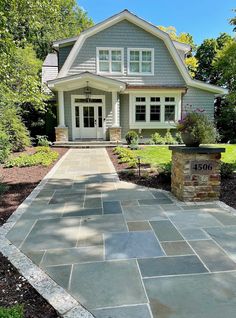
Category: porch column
[115,106]
[61,131]
[61,109]
[115,129]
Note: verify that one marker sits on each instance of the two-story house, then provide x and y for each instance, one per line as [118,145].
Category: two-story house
[123,73]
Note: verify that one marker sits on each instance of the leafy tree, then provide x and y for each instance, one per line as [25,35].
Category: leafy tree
[233,21]
[187,38]
[40,22]
[205,54]
[225,64]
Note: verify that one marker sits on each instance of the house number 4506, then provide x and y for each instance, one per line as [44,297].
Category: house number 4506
[202,167]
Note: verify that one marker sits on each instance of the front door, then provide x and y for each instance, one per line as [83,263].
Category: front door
[89,121]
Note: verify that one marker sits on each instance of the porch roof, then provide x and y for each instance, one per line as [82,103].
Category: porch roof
[80,80]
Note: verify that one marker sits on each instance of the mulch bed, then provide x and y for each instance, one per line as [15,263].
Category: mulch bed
[228,186]
[14,288]
[20,183]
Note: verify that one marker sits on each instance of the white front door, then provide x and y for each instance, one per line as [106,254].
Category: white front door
[89,121]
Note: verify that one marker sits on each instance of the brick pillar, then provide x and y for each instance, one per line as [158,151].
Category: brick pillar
[61,134]
[115,134]
[195,174]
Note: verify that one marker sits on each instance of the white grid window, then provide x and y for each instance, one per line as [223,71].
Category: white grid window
[110,60]
[151,109]
[141,61]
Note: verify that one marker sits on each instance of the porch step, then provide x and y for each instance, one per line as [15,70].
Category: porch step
[86,144]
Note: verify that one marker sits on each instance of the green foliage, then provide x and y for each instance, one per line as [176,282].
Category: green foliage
[13,312]
[5,147]
[233,21]
[126,155]
[43,141]
[40,22]
[227,169]
[206,54]
[226,118]
[165,170]
[43,156]
[168,139]
[131,136]
[198,125]
[157,139]
[14,128]
[186,38]
[225,64]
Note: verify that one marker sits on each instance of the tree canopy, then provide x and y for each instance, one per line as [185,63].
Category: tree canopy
[187,38]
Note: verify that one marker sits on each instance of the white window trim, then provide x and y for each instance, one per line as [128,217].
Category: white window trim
[110,49]
[140,62]
[162,124]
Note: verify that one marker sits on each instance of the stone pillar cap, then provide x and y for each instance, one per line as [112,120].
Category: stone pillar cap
[201,149]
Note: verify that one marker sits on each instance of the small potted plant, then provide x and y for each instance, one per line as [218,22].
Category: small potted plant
[196,128]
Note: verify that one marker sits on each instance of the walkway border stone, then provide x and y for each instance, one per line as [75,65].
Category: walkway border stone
[63,302]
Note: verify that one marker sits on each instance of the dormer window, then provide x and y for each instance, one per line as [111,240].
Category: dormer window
[140,61]
[110,60]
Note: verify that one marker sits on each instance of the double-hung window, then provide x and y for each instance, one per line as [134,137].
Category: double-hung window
[110,60]
[140,61]
[169,109]
[140,109]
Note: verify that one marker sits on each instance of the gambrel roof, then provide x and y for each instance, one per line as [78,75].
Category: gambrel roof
[172,47]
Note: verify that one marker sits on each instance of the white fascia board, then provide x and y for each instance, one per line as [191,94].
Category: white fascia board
[182,46]
[74,81]
[57,43]
[208,87]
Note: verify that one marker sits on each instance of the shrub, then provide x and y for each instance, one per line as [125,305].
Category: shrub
[165,170]
[126,155]
[157,139]
[13,312]
[178,138]
[5,147]
[169,139]
[131,136]
[14,128]
[197,125]
[42,140]
[227,170]
[43,156]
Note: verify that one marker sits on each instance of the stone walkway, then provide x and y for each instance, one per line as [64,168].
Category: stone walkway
[125,251]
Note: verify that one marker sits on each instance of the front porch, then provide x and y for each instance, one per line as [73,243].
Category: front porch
[88,108]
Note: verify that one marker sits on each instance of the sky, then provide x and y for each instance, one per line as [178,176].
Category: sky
[201,18]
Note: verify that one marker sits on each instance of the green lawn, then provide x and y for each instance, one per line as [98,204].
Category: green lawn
[156,155]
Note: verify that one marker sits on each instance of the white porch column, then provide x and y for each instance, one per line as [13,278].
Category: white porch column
[115,109]
[61,109]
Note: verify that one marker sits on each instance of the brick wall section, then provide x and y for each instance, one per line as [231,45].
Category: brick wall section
[190,186]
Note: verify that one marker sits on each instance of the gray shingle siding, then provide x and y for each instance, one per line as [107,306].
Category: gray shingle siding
[199,98]
[63,53]
[127,35]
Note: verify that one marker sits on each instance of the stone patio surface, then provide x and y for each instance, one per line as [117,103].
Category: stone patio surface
[125,251]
